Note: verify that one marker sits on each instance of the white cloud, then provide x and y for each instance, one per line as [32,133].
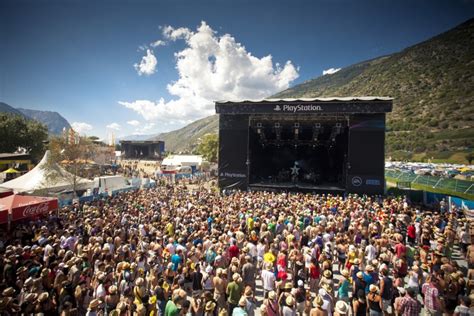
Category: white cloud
[212,67]
[158,43]
[133,123]
[147,65]
[114,126]
[81,127]
[173,34]
[330,71]
[145,129]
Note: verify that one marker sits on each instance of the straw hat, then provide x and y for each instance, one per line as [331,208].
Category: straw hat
[327,274]
[210,306]
[43,297]
[31,297]
[318,301]
[345,273]
[288,286]
[113,289]
[236,277]
[290,301]
[373,288]
[356,261]
[341,308]
[94,304]
[327,287]
[369,268]
[272,295]
[8,292]
[360,275]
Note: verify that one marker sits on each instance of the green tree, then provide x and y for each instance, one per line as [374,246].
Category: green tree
[74,152]
[18,132]
[209,147]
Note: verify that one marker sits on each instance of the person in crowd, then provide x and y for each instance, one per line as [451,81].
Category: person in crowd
[146,252]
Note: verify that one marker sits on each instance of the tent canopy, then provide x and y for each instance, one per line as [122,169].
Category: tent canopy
[48,176]
[20,207]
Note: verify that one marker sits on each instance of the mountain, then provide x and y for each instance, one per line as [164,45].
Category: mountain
[136,137]
[186,139]
[53,120]
[9,109]
[432,84]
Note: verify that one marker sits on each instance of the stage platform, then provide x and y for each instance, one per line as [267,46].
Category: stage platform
[298,187]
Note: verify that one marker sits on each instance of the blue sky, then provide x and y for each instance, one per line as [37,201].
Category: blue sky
[85,59]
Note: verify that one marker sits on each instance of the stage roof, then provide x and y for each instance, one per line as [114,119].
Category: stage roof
[343,99]
[368,104]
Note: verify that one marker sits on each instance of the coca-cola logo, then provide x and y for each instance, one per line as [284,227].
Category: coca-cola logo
[37,209]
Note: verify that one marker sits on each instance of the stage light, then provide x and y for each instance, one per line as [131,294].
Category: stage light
[317,125]
[259,131]
[277,125]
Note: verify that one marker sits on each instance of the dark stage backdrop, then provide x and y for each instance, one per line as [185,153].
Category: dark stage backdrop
[366,154]
[233,148]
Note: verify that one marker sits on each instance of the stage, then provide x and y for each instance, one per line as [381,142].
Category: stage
[298,187]
[323,145]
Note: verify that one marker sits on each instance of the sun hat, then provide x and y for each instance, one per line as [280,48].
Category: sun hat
[288,286]
[210,306]
[345,273]
[300,283]
[360,275]
[401,290]
[43,297]
[369,268]
[373,288]
[356,261]
[341,308]
[272,295]
[318,301]
[327,287]
[8,292]
[31,297]
[113,289]
[235,277]
[290,301]
[94,304]
[327,274]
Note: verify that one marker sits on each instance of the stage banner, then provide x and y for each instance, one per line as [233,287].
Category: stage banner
[233,151]
[366,154]
[303,107]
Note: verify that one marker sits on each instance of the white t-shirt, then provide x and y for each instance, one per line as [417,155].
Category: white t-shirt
[268,279]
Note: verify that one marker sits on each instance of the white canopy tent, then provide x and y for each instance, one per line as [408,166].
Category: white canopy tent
[46,176]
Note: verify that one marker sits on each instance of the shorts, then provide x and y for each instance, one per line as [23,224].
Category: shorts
[387,306]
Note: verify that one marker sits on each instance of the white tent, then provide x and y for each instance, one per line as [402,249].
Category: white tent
[46,176]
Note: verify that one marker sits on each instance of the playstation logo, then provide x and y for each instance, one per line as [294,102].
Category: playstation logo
[277,108]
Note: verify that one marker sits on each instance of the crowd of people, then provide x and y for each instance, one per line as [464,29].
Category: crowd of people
[172,251]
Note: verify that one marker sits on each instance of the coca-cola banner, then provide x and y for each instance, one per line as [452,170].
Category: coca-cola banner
[27,206]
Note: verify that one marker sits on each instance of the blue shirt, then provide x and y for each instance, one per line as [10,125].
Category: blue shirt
[176,260]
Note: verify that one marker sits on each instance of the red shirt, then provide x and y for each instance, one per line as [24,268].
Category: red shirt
[400,250]
[411,231]
[233,251]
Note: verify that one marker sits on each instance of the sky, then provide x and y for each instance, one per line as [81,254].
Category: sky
[145,67]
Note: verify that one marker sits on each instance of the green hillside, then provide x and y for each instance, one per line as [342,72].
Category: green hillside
[432,84]
[433,87]
[186,139]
